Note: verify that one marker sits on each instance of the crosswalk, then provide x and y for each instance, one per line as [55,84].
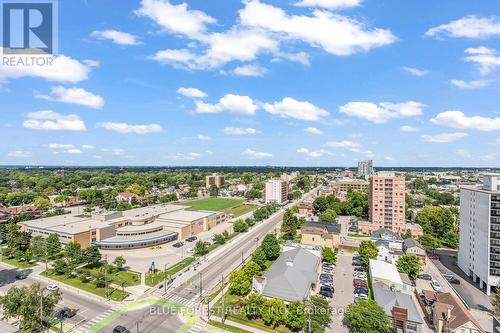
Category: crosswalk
[88,324]
[197,328]
[180,300]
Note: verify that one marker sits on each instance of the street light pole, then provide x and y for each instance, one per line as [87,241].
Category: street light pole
[201,288]
[165,277]
[106,276]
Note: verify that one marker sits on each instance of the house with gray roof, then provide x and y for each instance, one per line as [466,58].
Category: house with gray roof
[400,307]
[411,245]
[292,276]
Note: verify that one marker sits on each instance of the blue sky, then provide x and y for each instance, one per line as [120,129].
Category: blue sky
[261,82]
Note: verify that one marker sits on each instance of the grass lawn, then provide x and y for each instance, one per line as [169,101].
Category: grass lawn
[226,327]
[17,263]
[152,279]
[213,203]
[115,294]
[128,278]
[240,210]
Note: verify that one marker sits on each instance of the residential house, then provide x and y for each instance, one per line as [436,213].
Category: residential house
[411,245]
[292,276]
[321,234]
[451,316]
[127,197]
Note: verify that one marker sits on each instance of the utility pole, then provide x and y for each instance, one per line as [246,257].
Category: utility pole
[165,277]
[41,308]
[242,259]
[106,276]
[223,315]
[137,326]
[201,288]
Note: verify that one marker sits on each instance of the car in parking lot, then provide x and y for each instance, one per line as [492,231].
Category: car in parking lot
[360,296]
[178,244]
[436,286]
[454,280]
[359,284]
[425,276]
[361,290]
[191,239]
[359,269]
[120,329]
[448,276]
[327,292]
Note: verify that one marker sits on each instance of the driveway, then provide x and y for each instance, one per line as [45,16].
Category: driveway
[344,292]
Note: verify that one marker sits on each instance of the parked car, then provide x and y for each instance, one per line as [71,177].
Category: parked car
[425,276]
[52,287]
[178,244]
[326,276]
[120,329]
[361,290]
[21,276]
[454,280]
[360,296]
[190,250]
[359,269]
[191,239]
[359,284]
[436,286]
[325,292]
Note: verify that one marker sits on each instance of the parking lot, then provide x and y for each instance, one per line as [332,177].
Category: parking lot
[343,295]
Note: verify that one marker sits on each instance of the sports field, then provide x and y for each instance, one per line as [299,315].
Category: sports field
[213,203]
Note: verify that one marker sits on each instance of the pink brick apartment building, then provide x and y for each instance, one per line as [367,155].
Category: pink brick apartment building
[387,202]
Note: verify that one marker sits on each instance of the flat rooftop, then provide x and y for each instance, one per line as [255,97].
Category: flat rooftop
[186,215]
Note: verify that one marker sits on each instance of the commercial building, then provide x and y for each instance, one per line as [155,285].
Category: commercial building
[365,168]
[386,274]
[130,229]
[292,276]
[276,191]
[479,242]
[450,316]
[214,180]
[387,202]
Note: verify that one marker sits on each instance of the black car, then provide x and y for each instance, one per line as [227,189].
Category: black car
[65,312]
[178,244]
[326,276]
[359,269]
[454,280]
[361,290]
[425,276]
[191,239]
[21,276]
[326,293]
[327,288]
[120,329]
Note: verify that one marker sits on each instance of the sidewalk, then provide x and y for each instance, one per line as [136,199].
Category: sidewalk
[238,325]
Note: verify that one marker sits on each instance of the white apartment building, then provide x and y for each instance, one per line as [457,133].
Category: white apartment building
[365,168]
[276,191]
[479,244]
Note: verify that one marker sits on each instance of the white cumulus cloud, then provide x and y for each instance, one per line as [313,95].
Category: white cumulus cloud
[415,71]
[444,137]
[202,137]
[73,95]
[240,131]
[313,130]
[117,37]
[292,108]
[191,92]
[467,27]
[249,70]
[473,84]
[343,144]
[407,128]
[458,119]
[230,103]
[382,112]
[64,69]
[49,120]
[330,4]
[253,154]
[128,128]
[19,153]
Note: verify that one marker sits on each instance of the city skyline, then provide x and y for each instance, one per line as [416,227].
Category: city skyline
[301,83]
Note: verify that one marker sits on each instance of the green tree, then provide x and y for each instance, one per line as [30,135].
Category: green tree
[496,301]
[73,251]
[24,304]
[53,245]
[60,267]
[321,315]
[91,255]
[214,190]
[200,249]
[289,225]
[320,204]
[240,226]
[409,264]
[366,316]
[253,306]
[328,215]
[440,223]
[252,269]
[42,203]
[329,255]
[38,246]
[271,247]
[274,312]
[260,258]
[239,283]
[295,317]
[119,262]
[219,239]
[367,250]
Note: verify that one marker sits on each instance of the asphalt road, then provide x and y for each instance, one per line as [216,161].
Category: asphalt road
[87,307]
